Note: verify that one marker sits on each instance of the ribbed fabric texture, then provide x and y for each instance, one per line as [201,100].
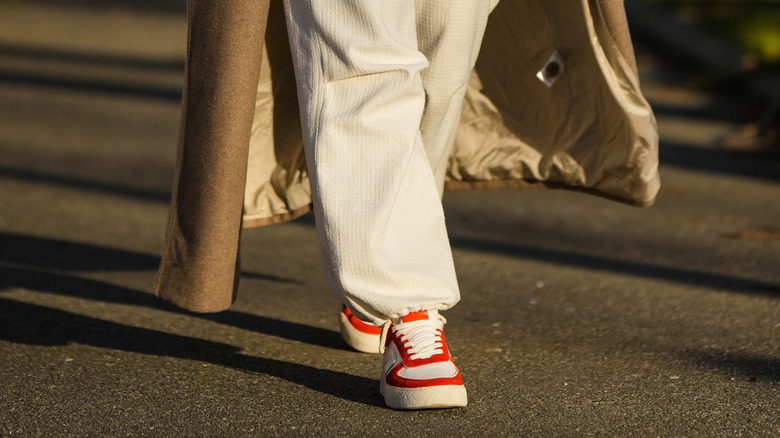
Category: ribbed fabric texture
[381,85]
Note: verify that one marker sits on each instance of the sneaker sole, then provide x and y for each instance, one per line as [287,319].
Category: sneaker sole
[432,397]
[363,342]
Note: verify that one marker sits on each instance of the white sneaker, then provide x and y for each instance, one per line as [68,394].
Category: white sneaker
[360,335]
[418,372]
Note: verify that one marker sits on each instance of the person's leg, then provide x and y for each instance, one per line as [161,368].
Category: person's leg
[379,218]
[449,35]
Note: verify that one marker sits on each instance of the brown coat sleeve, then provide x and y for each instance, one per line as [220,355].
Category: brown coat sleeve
[200,262]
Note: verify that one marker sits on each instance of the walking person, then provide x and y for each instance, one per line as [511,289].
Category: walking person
[381,89]
[381,86]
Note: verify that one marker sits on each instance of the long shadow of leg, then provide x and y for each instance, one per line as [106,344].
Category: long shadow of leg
[752,366]
[68,285]
[37,325]
[48,253]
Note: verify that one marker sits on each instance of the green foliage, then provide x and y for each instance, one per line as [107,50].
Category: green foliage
[752,25]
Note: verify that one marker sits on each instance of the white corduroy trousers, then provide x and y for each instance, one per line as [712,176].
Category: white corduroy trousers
[381,85]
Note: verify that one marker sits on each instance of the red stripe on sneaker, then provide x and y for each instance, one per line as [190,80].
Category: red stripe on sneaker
[415,316]
[361,325]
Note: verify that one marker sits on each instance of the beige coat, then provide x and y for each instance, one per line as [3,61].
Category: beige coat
[590,129]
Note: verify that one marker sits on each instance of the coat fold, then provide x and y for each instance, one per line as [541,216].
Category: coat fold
[553,101]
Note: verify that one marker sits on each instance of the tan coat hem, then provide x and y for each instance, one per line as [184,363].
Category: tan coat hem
[276,219]
[517,183]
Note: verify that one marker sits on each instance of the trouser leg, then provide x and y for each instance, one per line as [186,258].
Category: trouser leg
[449,35]
[380,223]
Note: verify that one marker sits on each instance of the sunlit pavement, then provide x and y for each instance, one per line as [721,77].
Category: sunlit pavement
[579,316]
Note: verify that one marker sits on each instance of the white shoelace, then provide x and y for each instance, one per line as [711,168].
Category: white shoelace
[422,338]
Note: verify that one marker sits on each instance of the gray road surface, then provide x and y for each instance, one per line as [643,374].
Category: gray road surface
[579,316]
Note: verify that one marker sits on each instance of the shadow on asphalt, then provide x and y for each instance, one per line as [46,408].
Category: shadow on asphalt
[85,184]
[757,165]
[172,94]
[161,6]
[716,111]
[50,54]
[59,59]
[48,253]
[38,325]
[600,263]
[85,288]
[752,367]
[26,261]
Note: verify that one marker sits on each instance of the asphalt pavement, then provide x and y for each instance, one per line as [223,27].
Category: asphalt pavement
[579,317]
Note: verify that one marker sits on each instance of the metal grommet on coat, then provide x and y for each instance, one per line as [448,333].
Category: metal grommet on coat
[551,70]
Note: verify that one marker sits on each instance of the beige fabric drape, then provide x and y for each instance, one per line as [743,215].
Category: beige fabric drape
[591,130]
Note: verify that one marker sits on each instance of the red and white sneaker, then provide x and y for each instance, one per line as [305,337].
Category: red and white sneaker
[417,370]
[360,335]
